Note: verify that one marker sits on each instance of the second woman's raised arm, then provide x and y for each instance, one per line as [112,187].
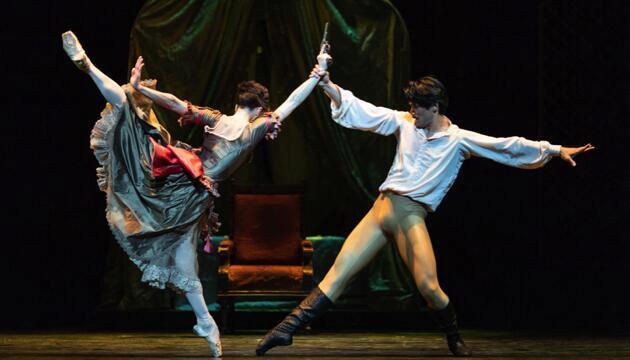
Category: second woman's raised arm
[166,100]
[301,92]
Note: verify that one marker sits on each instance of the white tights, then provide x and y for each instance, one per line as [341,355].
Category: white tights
[200,309]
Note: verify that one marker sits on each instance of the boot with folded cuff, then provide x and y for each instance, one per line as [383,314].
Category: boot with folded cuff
[447,322]
[282,335]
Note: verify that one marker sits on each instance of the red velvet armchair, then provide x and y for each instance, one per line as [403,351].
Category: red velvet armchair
[266,255]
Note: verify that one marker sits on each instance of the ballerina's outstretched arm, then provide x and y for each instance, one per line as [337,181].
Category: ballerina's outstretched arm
[166,100]
[301,92]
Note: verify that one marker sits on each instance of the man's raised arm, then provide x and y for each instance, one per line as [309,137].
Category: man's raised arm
[354,113]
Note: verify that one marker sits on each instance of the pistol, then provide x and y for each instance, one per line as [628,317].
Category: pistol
[324,46]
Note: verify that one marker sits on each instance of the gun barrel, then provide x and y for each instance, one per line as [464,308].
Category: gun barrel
[325,37]
[323,46]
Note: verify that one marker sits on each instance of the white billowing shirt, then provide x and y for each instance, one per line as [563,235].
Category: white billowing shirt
[425,167]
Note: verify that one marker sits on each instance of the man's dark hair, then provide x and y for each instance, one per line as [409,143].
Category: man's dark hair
[252,95]
[426,92]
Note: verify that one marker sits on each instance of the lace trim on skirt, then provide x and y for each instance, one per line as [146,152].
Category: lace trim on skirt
[159,277]
[101,140]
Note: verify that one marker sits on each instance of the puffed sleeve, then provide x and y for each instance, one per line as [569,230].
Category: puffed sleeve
[354,113]
[199,115]
[512,151]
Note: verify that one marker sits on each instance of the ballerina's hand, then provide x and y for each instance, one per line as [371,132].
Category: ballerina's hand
[318,73]
[136,73]
[275,128]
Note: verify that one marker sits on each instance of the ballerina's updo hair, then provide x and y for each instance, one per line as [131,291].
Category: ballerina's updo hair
[251,94]
[426,92]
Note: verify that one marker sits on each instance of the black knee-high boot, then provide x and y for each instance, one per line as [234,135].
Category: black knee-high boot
[313,305]
[447,321]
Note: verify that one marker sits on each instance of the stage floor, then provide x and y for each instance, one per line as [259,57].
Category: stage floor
[393,345]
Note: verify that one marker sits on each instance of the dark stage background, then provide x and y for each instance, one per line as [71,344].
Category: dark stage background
[516,249]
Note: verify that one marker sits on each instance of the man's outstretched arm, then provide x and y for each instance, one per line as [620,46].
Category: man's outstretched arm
[517,151]
[568,153]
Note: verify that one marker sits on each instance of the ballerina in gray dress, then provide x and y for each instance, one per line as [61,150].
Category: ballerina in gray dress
[160,193]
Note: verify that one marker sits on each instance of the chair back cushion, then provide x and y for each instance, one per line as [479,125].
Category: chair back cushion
[267,229]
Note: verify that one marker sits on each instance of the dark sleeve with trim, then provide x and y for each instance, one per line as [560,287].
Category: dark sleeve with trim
[198,115]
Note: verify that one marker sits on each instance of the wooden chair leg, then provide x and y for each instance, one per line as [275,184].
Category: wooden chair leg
[227,312]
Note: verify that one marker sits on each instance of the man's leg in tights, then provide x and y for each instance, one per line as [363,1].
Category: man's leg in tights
[364,242]
[414,245]
[360,247]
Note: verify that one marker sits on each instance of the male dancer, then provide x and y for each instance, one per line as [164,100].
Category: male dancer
[429,155]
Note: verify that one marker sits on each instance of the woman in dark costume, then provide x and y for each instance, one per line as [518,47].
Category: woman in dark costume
[160,196]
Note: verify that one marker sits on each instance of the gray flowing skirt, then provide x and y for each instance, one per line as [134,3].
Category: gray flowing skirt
[157,221]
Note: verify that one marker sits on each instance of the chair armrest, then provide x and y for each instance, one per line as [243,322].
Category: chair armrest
[307,256]
[226,248]
[307,265]
[307,253]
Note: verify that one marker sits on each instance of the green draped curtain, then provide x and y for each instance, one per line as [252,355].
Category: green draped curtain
[200,49]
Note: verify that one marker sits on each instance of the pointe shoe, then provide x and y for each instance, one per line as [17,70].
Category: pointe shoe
[211,334]
[73,48]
